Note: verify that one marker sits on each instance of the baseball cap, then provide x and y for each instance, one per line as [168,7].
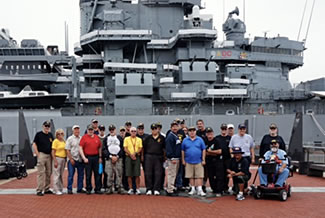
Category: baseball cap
[191,128]
[182,121]
[273,126]
[111,127]
[173,124]
[128,123]
[94,121]
[46,123]
[90,126]
[140,126]
[223,126]
[101,127]
[122,128]
[274,141]
[159,125]
[230,126]
[237,150]
[177,120]
[75,127]
[209,129]
[154,126]
[242,126]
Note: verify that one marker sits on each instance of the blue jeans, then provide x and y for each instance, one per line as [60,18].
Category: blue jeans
[281,178]
[71,170]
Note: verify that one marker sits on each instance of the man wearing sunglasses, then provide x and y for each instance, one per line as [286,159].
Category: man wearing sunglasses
[267,139]
[42,147]
[154,150]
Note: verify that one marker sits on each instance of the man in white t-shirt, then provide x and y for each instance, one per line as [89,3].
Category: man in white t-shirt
[245,142]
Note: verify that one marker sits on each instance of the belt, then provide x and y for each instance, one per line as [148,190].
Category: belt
[96,155]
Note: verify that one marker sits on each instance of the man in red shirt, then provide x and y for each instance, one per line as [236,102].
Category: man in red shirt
[91,153]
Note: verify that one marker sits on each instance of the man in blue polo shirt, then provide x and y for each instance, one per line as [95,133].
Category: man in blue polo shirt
[193,158]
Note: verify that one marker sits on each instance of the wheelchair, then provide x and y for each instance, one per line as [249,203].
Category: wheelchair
[269,168]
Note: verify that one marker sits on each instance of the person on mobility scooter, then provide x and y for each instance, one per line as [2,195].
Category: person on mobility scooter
[273,173]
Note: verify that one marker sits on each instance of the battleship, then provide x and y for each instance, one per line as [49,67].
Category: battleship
[156,60]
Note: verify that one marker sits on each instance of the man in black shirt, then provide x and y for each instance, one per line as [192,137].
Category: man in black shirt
[239,172]
[154,150]
[267,139]
[201,131]
[127,126]
[223,141]
[42,147]
[214,162]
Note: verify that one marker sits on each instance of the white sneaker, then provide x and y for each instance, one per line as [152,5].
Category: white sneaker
[58,193]
[201,193]
[137,192]
[149,192]
[192,192]
[130,192]
[218,195]
[240,197]
[156,193]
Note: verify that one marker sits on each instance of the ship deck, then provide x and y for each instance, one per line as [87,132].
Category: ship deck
[18,199]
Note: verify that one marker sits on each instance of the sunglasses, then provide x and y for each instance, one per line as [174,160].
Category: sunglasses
[47,126]
[133,131]
[223,128]
[154,128]
[272,128]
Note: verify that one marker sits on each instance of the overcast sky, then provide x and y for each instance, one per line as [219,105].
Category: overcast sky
[44,20]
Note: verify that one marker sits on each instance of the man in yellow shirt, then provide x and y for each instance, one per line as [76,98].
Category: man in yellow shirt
[133,147]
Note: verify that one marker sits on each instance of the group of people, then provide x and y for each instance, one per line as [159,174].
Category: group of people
[192,156]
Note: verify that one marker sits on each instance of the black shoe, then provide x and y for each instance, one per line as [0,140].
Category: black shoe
[204,189]
[81,191]
[48,192]
[88,192]
[98,192]
[172,194]
[70,192]
[39,194]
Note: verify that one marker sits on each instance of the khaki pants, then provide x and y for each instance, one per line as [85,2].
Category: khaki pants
[44,168]
[171,175]
[58,174]
[112,169]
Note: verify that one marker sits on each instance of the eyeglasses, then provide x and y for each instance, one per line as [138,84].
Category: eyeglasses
[153,128]
[47,126]
[223,128]
[273,128]
[133,131]
[61,133]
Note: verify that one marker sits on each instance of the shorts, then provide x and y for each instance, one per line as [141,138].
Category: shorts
[132,167]
[194,171]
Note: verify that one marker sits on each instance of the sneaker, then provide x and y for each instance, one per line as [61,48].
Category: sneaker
[58,193]
[48,192]
[156,193]
[218,195]
[39,194]
[70,192]
[82,191]
[88,192]
[192,192]
[240,197]
[149,192]
[201,193]
[130,192]
[109,191]
[172,194]
[98,192]
[137,192]
[120,191]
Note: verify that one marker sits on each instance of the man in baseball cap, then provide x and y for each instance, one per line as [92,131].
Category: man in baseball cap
[267,139]
[239,172]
